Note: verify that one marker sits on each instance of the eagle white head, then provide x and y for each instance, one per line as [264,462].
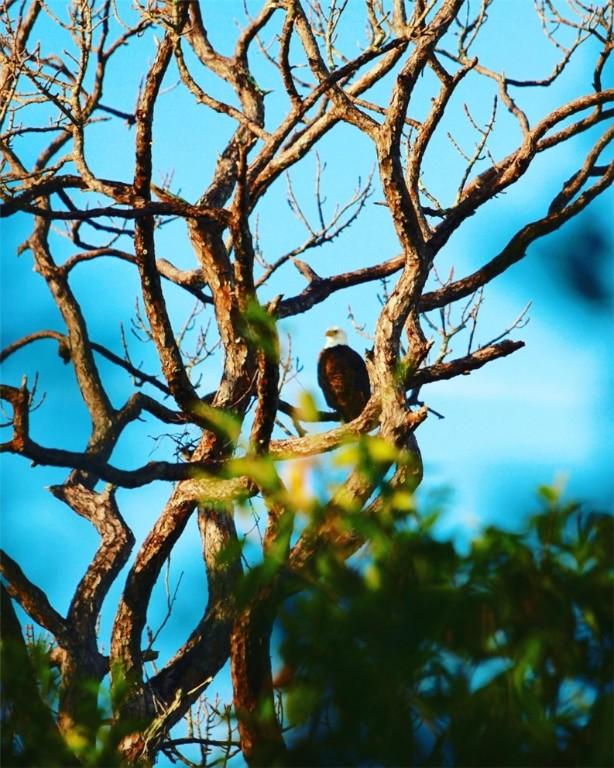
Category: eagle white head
[335,336]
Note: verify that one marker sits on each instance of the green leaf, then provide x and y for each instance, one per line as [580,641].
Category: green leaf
[223,422]
[261,469]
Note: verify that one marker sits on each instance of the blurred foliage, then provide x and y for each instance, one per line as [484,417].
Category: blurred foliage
[29,735]
[585,264]
[31,686]
[413,654]
[260,328]
[408,652]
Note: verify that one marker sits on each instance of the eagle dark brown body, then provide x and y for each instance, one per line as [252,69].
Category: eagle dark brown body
[343,377]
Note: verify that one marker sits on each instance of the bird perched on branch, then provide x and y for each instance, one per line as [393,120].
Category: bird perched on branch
[343,376]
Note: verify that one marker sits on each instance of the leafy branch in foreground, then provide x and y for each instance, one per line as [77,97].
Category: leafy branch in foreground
[405,653]
[413,654]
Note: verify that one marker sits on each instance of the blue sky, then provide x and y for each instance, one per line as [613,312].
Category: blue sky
[543,413]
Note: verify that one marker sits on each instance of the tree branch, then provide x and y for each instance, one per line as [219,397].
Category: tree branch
[34,601]
[516,247]
[117,541]
[461,366]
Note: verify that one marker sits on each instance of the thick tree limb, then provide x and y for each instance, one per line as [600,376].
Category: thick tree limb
[34,601]
[149,209]
[208,647]
[463,365]
[321,288]
[495,179]
[516,247]
[117,541]
[88,377]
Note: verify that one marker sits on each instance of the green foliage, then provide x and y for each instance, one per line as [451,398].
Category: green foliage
[31,689]
[408,653]
[260,469]
[413,654]
[224,423]
[260,328]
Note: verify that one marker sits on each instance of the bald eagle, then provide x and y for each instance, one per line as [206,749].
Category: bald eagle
[342,375]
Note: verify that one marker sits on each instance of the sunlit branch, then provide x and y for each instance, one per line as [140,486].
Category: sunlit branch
[516,248]
[463,365]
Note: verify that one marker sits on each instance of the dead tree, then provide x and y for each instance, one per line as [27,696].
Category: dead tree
[58,101]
